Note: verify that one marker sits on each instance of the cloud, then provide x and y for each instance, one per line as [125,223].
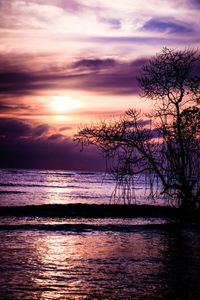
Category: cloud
[17,108]
[140,42]
[165,25]
[72,6]
[13,128]
[40,129]
[197,2]
[95,63]
[114,23]
[108,76]
[63,128]
[193,3]
[16,82]
[130,40]
[20,148]
[80,26]
[55,136]
[10,128]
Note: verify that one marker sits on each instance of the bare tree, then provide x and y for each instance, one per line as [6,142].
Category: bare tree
[165,145]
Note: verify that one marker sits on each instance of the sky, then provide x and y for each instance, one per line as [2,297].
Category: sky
[66,63]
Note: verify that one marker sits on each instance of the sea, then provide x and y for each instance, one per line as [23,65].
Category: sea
[36,187]
[91,258]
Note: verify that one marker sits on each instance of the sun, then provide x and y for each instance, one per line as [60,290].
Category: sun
[63,103]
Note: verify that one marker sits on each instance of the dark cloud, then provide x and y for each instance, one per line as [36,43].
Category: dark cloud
[20,149]
[105,76]
[122,82]
[118,78]
[26,82]
[40,129]
[10,128]
[172,26]
[56,136]
[94,74]
[6,107]
[193,3]
[95,63]
[197,2]
[13,128]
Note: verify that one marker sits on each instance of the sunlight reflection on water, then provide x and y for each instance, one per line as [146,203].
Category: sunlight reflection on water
[25,187]
[146,264]
[76,258]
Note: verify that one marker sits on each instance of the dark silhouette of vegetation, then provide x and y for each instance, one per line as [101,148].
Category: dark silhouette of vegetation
[164,145]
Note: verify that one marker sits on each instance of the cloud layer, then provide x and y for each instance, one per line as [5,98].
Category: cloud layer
[102,75]
[76,27]
[27,146]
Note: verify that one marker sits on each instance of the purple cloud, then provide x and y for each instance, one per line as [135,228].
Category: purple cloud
[13,128]
[56,136]
[10,128]
[172,26]
[19,148]
[193,3]
[40,129]
[21,82]
[103,76]
[114,23]
[134,40]
[95,63]
[72,6]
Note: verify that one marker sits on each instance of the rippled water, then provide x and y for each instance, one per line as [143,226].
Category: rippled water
[25,187]
[146,263]
[78,258]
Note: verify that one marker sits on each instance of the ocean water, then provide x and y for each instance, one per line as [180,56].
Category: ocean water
[80,258]
[35,187]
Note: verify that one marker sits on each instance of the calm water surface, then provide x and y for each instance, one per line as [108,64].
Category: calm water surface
[77,258]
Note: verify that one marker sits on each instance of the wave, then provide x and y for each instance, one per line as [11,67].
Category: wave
[12,192]
[86,173]
[37,171]
[39,185]
[90,197]
[60,174]
[88,227]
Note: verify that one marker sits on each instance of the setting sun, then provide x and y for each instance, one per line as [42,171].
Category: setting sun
[62,104]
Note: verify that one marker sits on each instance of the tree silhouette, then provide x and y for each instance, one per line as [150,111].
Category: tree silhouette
[164,145]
